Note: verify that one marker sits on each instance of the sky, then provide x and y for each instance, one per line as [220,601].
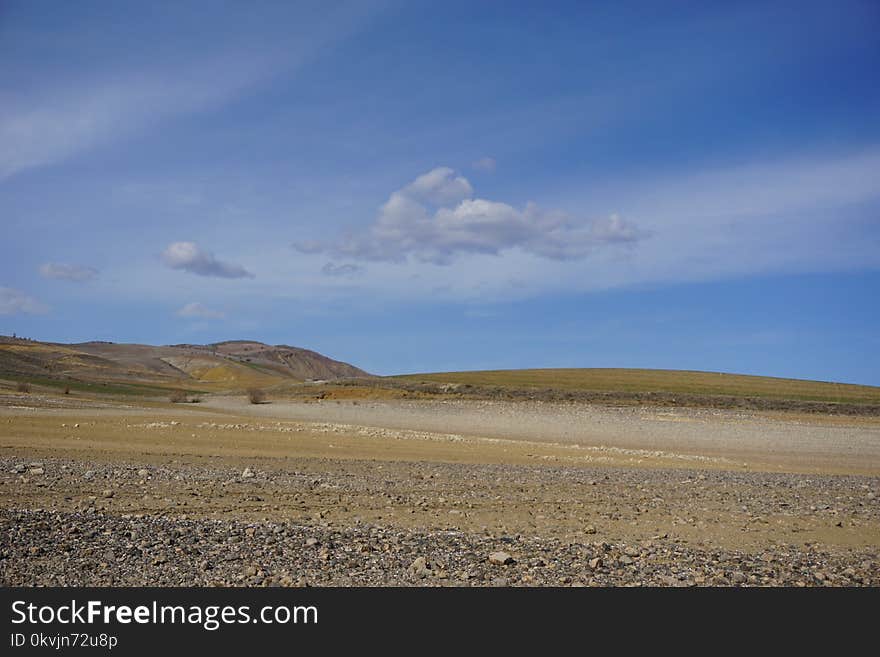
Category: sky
[414,186]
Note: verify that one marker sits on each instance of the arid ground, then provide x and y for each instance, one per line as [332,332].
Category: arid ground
[377,490]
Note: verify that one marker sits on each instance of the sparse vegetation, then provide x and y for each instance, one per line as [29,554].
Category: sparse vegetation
[23,386]
[256,396]
[178,397]
[635,381]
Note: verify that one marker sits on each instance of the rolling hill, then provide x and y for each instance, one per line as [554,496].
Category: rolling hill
[213,367]
[665,386]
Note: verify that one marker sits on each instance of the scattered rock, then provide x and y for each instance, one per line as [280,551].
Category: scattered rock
[501,559]
[420,567]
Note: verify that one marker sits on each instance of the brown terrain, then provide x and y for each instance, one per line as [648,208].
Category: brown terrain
[373,481]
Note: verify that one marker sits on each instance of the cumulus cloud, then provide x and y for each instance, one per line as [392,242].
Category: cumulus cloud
[14,302]
[440,186]
[63,272]
[199,311]
[332,269]
[435,218]
[189,257]
[486,164]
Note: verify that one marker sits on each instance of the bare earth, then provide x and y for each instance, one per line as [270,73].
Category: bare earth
[425,492]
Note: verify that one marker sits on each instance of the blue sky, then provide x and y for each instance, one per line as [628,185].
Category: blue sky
[422,187]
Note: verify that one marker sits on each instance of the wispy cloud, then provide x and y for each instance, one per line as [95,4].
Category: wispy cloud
[187,256]
[64,272]
[53,119]
[486,164]
[199,311]
[348,269]
[53,126]
[15,302]
[435,218]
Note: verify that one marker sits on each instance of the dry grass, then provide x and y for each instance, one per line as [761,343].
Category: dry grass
[256,396]
[23,386]
[666,381]
[178,397]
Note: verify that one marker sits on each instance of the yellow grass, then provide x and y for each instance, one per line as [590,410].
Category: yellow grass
[666,381]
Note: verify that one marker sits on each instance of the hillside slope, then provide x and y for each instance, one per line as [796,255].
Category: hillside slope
[589,383]
[213,367]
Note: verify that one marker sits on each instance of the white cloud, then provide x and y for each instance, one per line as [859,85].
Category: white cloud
[44,122]
[14,302]
[189,257]
[486,164]
[459,224]
[52,127]
[198,310]
[63,272]
[440,186]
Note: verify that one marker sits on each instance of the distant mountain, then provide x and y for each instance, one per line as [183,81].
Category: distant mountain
[223,365]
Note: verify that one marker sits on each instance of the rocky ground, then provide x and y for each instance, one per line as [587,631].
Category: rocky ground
[97,549]
[347,523]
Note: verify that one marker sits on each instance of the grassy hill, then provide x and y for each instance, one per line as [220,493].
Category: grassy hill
[656,382]
[150,370]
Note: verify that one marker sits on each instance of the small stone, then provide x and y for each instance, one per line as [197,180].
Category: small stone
[501,559]
[35,471]
[595,563]
[247,473]
[311,542]
[420,567]
[143,472]
[107,493]
[589,529]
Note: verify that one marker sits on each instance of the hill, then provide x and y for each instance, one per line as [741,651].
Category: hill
[641,385]
[149,369]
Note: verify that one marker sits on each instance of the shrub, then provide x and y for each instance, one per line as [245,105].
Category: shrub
[256,396]
[178,397]
[66,390]
[23,386]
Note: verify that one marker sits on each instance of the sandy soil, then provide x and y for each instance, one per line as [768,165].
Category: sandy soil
[781,442]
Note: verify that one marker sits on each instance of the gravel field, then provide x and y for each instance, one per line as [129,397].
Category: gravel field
[272,495]
[131,524]
[94,549]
